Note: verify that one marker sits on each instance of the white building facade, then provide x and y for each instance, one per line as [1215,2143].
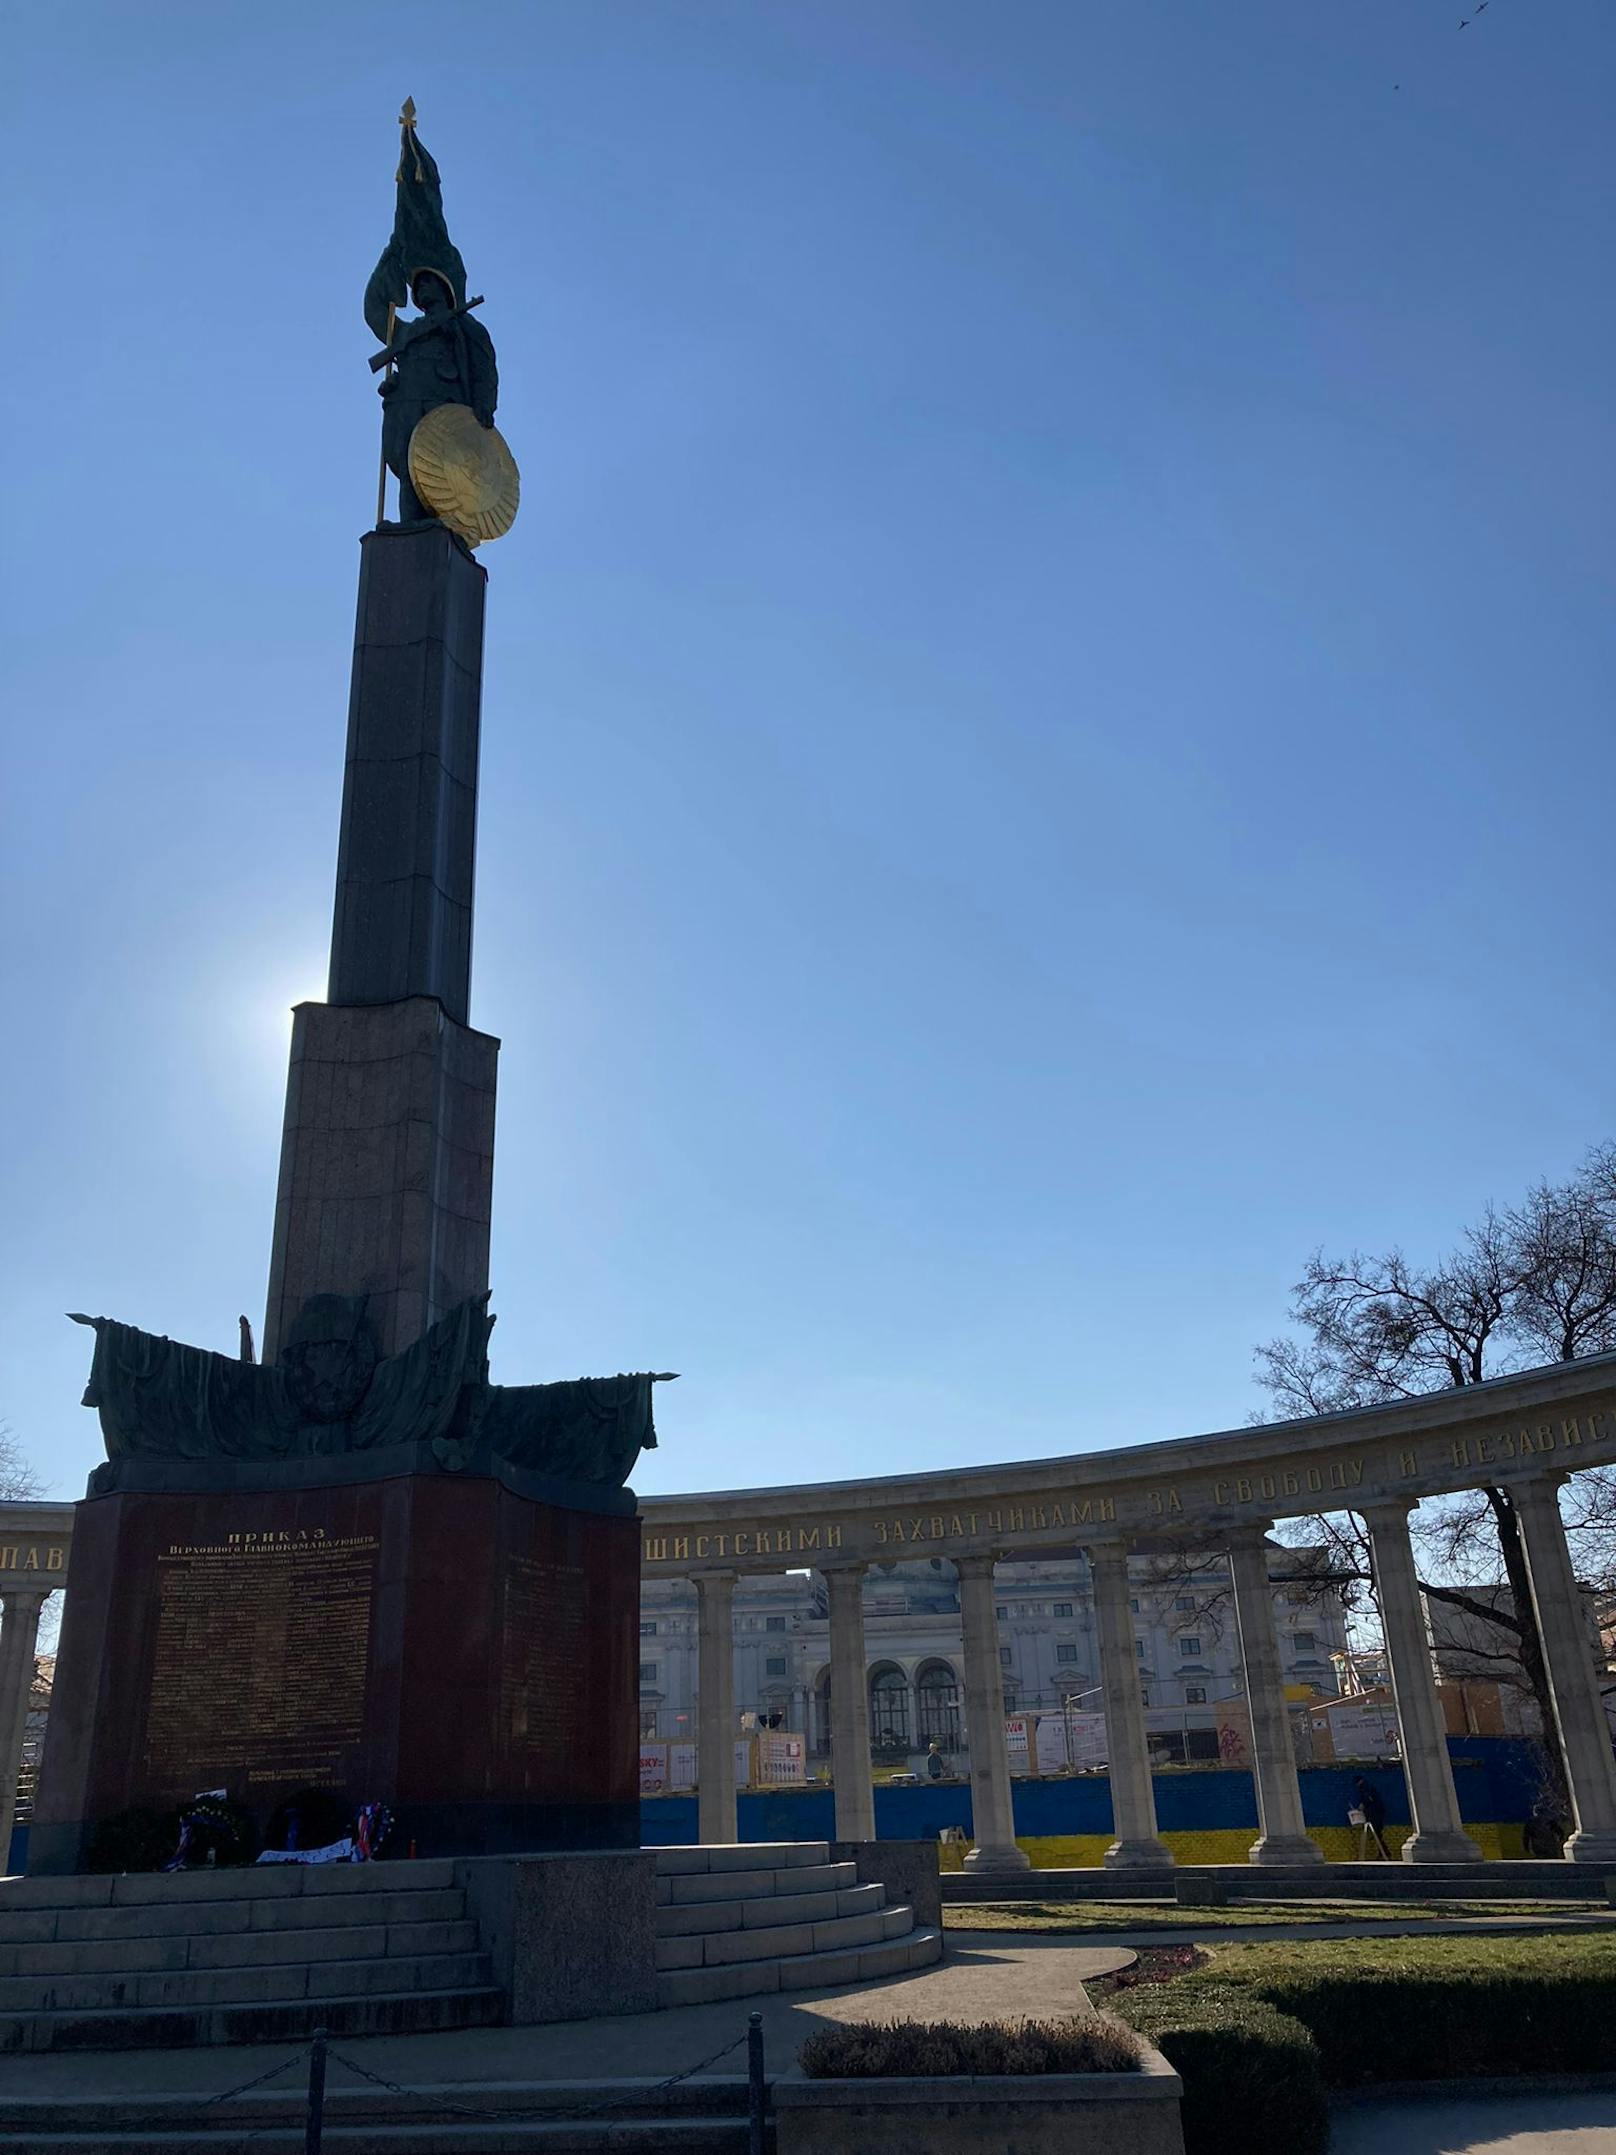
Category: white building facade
[1186,1644]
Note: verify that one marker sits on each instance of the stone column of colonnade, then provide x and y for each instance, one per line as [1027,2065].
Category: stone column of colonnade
[19,1639]
[1133,1799]
[1433,1801]
[851,1773]
[1282,1835]
[1579,1712]
[992,1816]
[715,1706]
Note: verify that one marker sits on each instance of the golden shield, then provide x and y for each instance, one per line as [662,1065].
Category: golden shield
[464,473]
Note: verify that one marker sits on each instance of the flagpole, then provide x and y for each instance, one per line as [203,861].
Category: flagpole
[381,475]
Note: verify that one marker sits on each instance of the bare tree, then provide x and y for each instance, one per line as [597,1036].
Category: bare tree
[18,1481]
[1535,1284]
[1563,1244]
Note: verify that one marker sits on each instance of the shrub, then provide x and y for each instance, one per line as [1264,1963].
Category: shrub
[1251,2075]
[919,2049]
[1432,2008]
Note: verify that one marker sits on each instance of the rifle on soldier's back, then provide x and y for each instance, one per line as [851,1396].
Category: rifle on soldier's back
[409,332]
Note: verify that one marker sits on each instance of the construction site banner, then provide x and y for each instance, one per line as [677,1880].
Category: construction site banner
[1070,1741]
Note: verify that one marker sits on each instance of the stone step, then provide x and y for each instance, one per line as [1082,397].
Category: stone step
[737,1856]
[187,1918]
[379,2012]
[621,2135]
[686,1920]
[238,1949]
[719,1949]
[685,1888]
[277,1985]
[803,1971]
[271,1881]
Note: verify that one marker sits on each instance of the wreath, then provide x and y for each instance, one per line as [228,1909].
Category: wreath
[213,1830]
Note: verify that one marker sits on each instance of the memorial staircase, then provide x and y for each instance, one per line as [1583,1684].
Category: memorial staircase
[762,1916]
[267,1956]
[238,1956]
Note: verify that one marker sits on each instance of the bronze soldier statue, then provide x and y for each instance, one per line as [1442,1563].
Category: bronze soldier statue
[442,356]
[447,357]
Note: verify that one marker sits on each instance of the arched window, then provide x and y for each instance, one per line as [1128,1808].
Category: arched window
[889,1708]
[937,1705]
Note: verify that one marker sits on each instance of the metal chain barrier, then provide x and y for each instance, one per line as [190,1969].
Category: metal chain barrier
[320,2054]
[224,2095]
[560,2115]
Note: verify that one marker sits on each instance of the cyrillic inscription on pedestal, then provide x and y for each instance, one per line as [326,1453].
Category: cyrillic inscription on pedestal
[263,1645]
[542,1663]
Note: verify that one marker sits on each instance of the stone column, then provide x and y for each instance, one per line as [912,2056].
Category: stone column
[1283,1836]
[19,1636]
[850,1706]
[1579,1713]
[1133,1800]
[1433,1801]
[715,1706]
[992,1816]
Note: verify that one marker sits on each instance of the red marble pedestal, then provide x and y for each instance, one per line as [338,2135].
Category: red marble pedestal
[462,1653]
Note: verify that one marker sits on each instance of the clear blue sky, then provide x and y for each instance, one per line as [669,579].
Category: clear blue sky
[1047,733]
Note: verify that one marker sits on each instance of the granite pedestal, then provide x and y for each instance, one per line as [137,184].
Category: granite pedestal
[462,1648]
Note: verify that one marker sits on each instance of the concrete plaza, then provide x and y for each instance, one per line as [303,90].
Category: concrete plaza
[1524,2124]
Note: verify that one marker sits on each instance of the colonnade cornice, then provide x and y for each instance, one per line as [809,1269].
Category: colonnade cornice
[1540,1422]
[33,1515]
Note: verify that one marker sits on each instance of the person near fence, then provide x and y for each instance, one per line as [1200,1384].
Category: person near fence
[1373,1806]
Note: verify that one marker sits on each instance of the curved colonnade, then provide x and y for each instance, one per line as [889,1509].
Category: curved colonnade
[1211,1493]
[1217,1492]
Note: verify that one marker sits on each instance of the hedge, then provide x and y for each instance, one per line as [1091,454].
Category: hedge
[905,2049]
[1434,2008]
[1251,2075]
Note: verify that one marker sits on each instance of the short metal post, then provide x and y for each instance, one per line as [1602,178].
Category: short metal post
[756,2092]
[316,2125]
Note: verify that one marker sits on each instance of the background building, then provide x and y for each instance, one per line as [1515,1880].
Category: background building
[1185,1638]
[1481,1678]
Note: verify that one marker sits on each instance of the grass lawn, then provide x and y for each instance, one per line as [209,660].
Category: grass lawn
[1274,1962]
[1090,1916]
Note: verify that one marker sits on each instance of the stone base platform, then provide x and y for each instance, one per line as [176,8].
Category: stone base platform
[1527,1881]
[268,1954]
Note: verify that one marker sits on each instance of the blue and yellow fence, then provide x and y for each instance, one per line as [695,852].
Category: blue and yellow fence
[1204,1815]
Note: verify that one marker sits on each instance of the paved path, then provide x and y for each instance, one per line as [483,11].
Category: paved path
[990,1979]
[1488,2125]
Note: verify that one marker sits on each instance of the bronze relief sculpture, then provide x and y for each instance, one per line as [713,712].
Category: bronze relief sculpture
[332,1393]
